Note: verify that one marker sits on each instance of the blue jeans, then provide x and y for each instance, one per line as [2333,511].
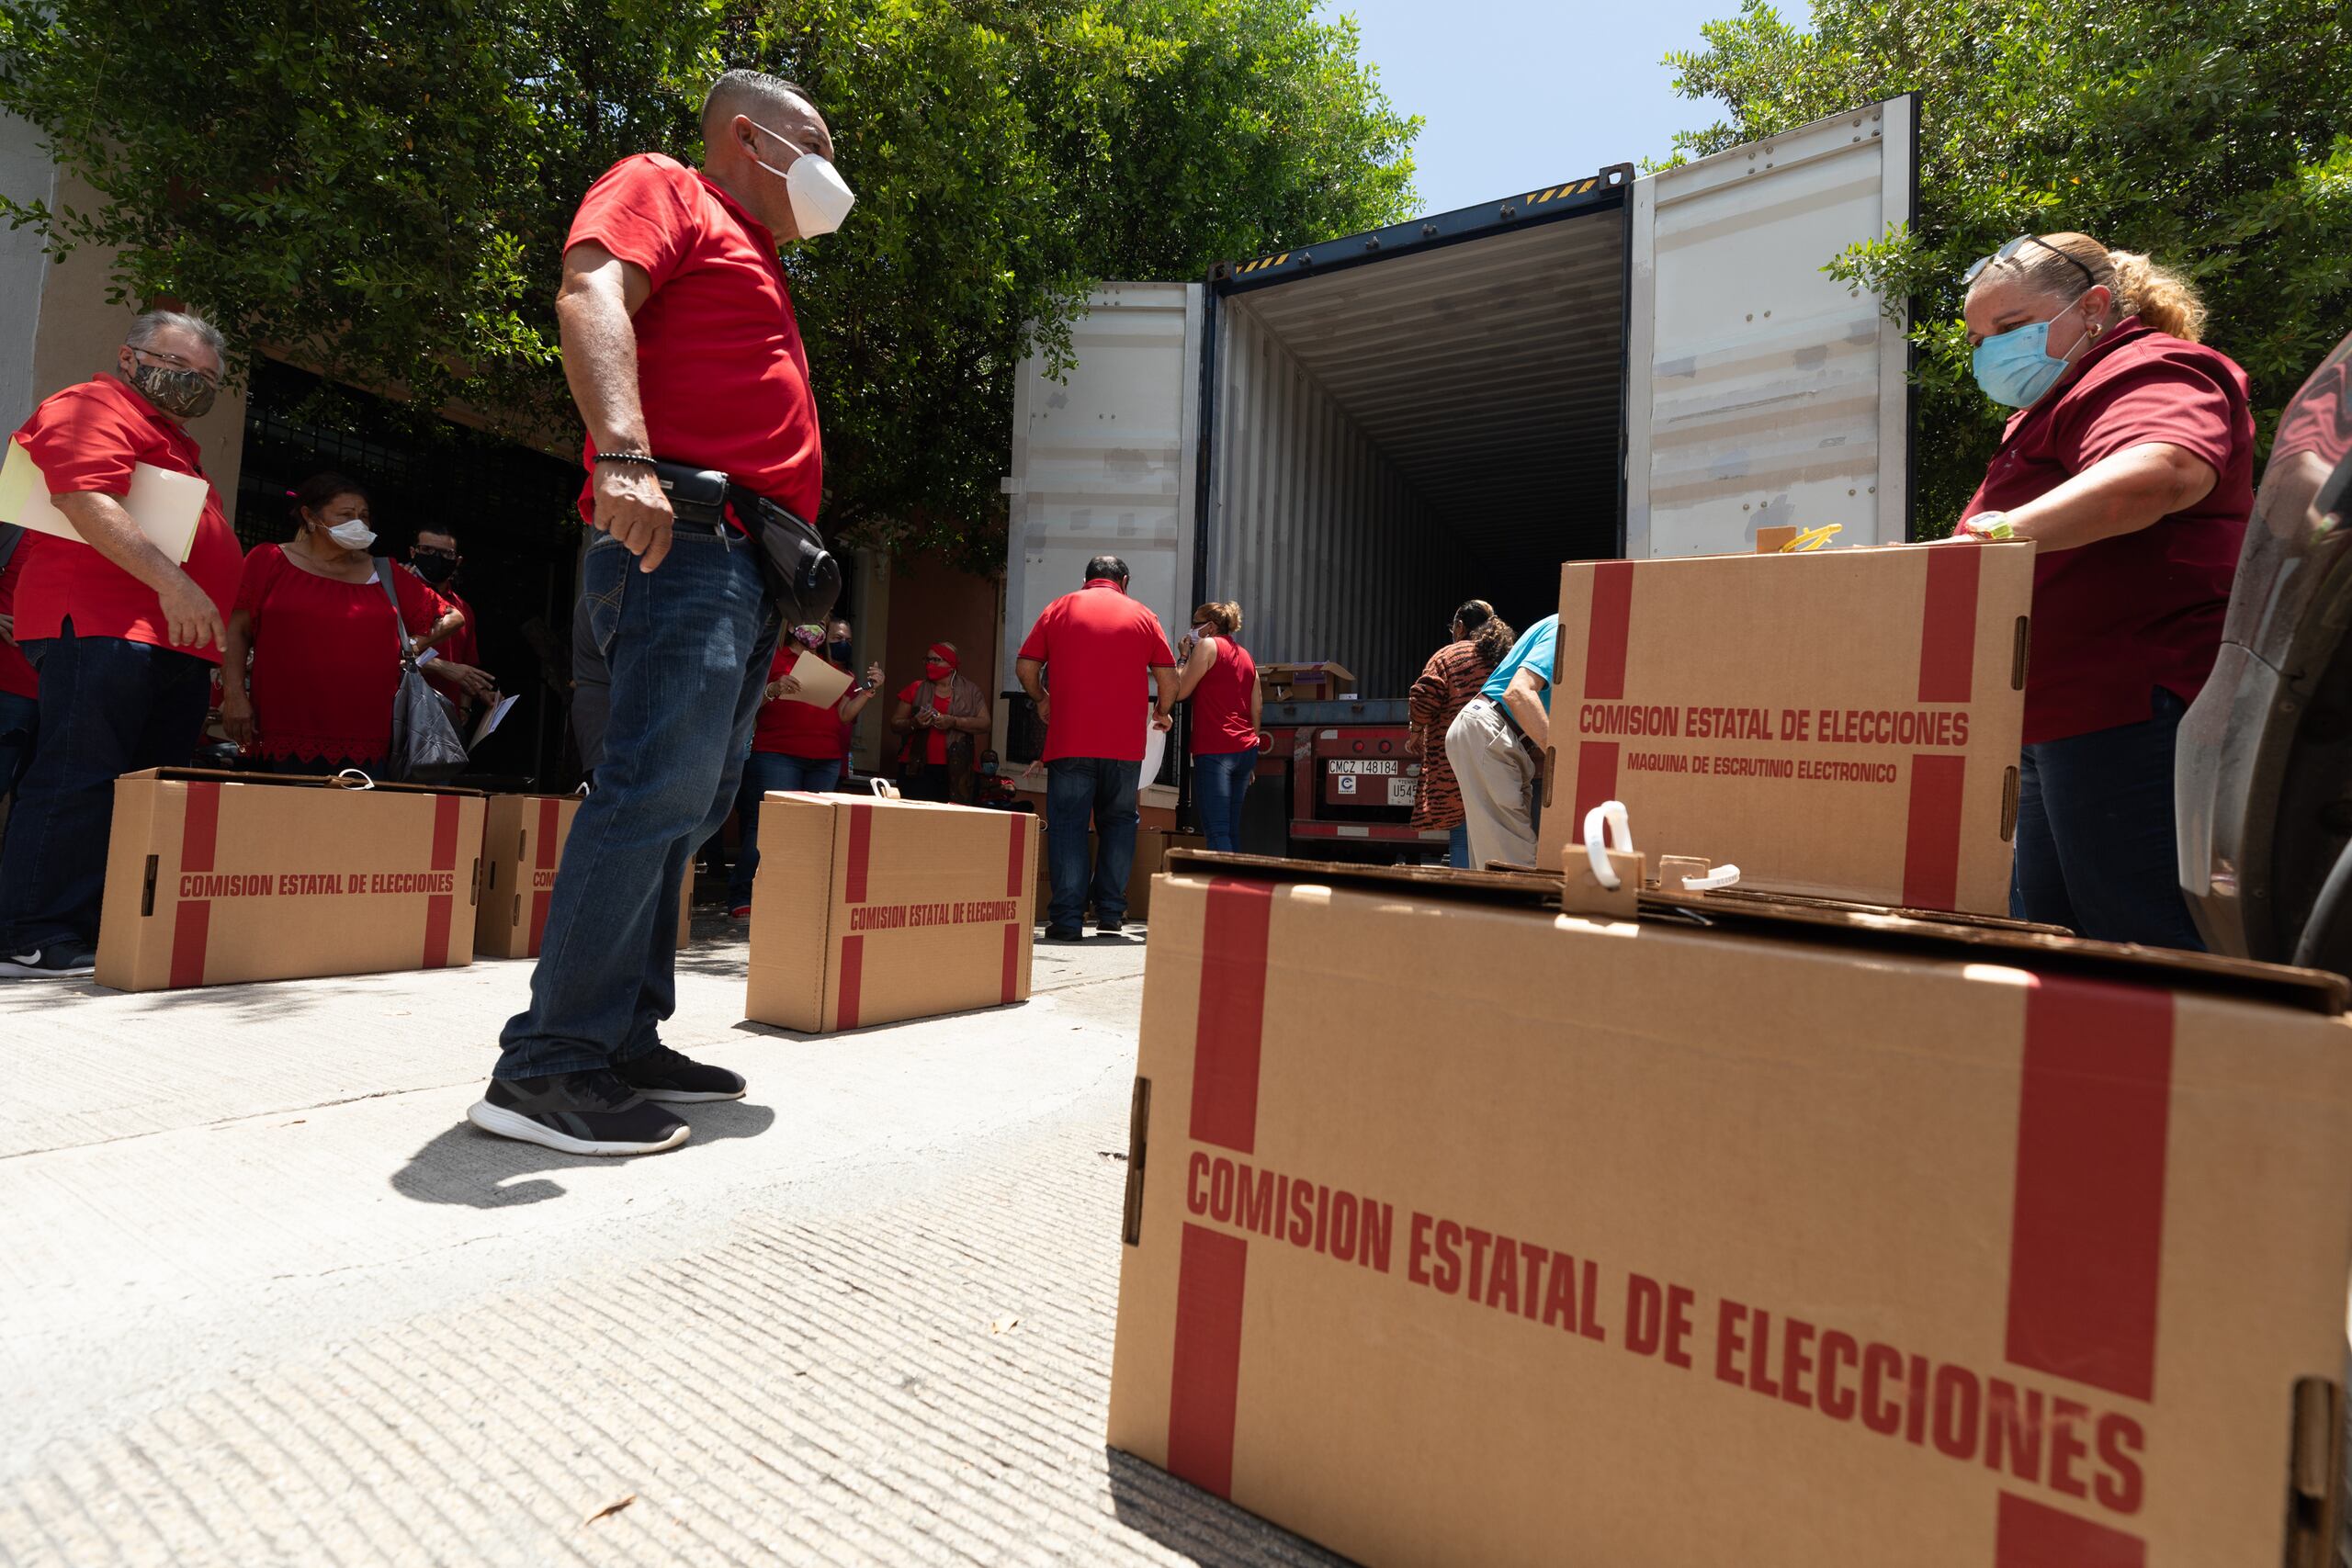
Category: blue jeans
[1221,779]
[1457,850]
[687,645]
[2096,835]
[762,772]
[19,727]
[1080,791]
[108,706]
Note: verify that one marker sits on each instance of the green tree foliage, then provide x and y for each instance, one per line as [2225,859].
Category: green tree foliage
[2208,133]
[380,187]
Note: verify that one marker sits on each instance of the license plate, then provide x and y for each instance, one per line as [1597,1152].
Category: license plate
[1403,791]
[1365,765]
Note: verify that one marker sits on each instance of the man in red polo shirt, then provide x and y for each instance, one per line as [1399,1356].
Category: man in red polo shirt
[456,670]
[124,638]
[1099,646]
[679,344]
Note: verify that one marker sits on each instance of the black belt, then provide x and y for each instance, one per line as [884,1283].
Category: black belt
[802,576]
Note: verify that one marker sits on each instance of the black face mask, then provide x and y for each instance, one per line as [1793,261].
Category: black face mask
[842,652]
[434,568]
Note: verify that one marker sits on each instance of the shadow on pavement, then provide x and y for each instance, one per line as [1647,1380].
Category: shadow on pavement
[1199,1527]
[480,1170]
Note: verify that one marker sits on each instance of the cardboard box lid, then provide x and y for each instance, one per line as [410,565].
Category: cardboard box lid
[297,781]
[2309,990]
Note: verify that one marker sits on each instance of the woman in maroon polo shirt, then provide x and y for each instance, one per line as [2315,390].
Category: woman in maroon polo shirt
[2131,464]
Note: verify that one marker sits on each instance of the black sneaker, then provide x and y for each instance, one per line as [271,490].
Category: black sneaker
[1064,934]
[662,1074]
[1113,928]
[55,962]
[581,1113]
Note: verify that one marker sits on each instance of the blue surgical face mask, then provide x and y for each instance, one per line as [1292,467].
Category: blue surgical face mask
[2016,368]
[842,652]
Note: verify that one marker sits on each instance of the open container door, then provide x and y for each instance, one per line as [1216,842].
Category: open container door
[1760,389]
[1104,461]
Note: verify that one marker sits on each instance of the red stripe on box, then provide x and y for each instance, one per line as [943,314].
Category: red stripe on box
[1204,1383]
[1596,781]
[440,908]
[2086,1240]
[1232,1014]
[200,831]
[2032,1536]
[853,971]
[1611,625]
[1932,832]
[550,819]
[1012,961]
[191,933]
[861,851]
[1016,858]
[1948,624]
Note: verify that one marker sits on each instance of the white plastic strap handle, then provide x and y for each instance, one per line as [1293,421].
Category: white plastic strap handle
[1608,816]
[346,777]
[1720,878]
[884,788]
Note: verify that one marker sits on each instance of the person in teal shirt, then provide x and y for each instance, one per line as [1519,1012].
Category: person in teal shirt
[1496,745]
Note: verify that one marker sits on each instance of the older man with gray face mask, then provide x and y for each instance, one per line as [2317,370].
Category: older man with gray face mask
[123,638]
[683,356]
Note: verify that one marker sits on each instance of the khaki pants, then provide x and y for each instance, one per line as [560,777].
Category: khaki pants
[1498,782]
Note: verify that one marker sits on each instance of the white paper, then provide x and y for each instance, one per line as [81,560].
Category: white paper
[822,684]
[492,719]
[165,505]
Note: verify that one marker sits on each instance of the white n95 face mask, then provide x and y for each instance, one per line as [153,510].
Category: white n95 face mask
[353,536]
[821,198]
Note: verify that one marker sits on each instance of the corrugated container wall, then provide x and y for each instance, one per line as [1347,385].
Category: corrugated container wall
[1331,554]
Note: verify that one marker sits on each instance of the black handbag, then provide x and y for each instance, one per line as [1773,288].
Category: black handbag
[802,576]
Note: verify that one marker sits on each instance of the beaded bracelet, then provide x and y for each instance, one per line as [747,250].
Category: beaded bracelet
[642,459]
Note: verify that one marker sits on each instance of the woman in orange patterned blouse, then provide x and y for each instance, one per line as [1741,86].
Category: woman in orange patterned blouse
[1448,681]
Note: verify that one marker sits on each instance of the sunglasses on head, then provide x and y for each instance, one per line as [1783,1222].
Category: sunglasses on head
[2009,251]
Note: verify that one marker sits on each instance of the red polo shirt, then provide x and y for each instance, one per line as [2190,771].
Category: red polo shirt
[2115,619]
[799,729]
[464,645]
[719,363]
[86,439]
[1099,648]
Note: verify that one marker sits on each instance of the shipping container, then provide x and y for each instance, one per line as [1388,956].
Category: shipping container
[1352,436]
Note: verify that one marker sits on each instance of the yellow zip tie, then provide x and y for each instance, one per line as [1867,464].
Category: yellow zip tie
[1813,538]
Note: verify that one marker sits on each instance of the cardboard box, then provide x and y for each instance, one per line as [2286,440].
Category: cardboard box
[1461,1230]
[1152,845]
[869,911]
[1843,723]
[522,839]
[214,878]
[1318,682]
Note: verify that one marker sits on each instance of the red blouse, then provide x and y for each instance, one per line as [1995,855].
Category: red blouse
[1221,702]
[941,702]
[791,728]
[326,657]
[2115,619]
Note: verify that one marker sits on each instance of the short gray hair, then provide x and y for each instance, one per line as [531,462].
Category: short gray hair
[736,91]
[149,324]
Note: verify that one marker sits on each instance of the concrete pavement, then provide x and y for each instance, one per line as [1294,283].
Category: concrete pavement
[265,1298]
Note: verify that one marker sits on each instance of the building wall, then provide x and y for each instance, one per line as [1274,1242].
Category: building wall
[60,328]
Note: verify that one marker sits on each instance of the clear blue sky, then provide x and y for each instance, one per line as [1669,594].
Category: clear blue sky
[1522,94]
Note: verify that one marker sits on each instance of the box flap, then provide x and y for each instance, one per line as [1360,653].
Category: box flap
[2309,990]
[303,780]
